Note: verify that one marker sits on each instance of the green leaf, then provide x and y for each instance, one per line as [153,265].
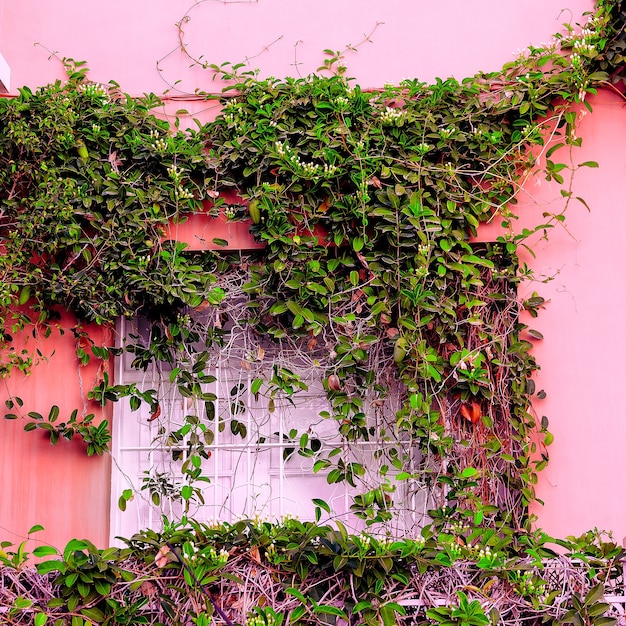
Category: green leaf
[388,615]
[357,244]
[50,566]
[599,608]
[102,587]
[24,295]
[322,504]
[40,619]
[469,472]
[94,614]
[294,307]
[296,593]
[594,594]
[72,546]
[327,609]
[297,613]
[22,603]
[45,551]
[35,529]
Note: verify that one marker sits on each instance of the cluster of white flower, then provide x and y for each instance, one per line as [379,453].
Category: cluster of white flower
[211,554]
[446,133]
[194,551]
[267,619]
[390,116]
[219,558]
[506,272]
[94,90]
[583,46]
[530,587]
[363,196]
[459,528]
[158,143]
[454,550]
[529,129]
[363,541]
[384,543]
[280,148]
[258,520]
[180,193]
[95,128]
[304,168]
[175,172]
[583,43]
[549,46]
[229,212]
[423,148]
[286,518]
[481,552]
[423,249]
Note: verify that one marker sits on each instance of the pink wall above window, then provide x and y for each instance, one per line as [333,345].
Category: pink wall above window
[123,40]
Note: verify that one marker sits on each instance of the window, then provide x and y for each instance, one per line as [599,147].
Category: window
[260,454]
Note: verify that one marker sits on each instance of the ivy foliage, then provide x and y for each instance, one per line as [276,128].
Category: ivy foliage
[258,573]
[90,179]
[367,203]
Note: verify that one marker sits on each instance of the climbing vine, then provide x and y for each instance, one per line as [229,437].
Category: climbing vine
[367,203]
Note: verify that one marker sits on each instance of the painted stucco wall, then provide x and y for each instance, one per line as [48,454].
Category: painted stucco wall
[135,43]
[581,265]
[57,487]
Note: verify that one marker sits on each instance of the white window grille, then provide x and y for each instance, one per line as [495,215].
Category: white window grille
[255,464]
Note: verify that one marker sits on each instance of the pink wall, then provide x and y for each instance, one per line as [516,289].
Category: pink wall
[583,350]
[58,487]
[123,40]
[582,355]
